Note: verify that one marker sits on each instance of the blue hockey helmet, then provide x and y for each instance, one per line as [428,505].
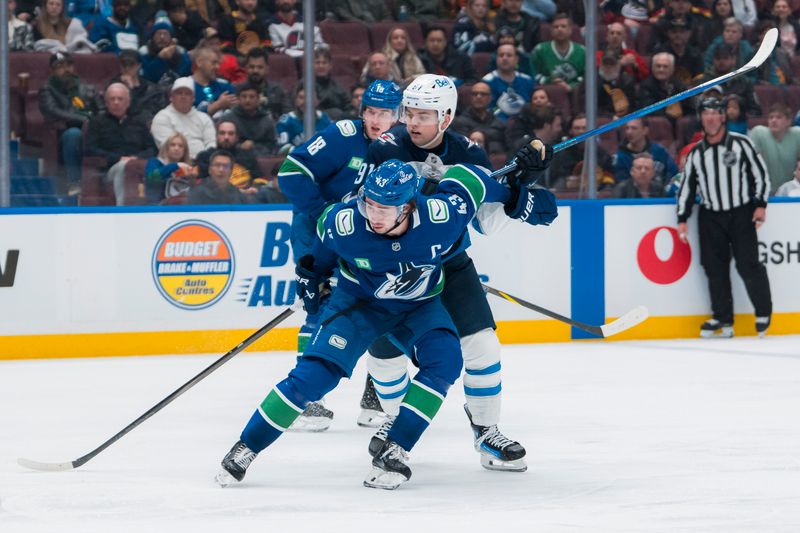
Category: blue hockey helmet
[382,94]
[393,183]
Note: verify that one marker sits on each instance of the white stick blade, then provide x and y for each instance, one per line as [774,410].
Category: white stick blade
[626,321]
[44,467]
[765,50]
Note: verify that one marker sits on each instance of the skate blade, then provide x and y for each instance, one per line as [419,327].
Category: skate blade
[724,333]
[370,418]
[491,462]
[381,479]
[310,424]
[223,478]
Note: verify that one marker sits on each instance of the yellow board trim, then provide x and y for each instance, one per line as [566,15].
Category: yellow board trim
[285,339]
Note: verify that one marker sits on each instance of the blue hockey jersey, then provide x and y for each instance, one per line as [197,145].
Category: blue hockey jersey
[325,168]
[401,270]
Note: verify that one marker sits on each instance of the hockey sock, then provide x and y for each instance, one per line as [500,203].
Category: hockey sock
[306,330]
[309,381]
[420,404]
[482,378]
[391,381]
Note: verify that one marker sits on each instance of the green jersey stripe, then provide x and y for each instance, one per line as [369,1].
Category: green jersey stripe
[469,180]
[293,166]
[321,222]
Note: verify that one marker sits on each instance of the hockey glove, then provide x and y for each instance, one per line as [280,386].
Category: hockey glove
[532,206]
[308,283]
[533,159]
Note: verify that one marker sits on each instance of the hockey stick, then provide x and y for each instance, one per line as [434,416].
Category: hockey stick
[56,467]
[628,320]
[761,55]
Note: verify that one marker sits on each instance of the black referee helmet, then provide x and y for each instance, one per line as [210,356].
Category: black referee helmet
[711,102]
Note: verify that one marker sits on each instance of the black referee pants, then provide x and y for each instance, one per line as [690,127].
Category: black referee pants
[723,233]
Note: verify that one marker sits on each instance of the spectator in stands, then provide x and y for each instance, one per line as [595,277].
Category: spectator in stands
[524,26]
[479,137]
[563,174]
[559,61]
[356,93]
[20,33]
[187,24]
[440,58]
[689,65]
[778,143]
[180,116]
[273,97]
[117,32]
[737,118]
[695,18]
[478,116]
[732,35]
[211,94]
[378,67]
[401,52]
[425,11]
[473,30]
[540,98]
[511,89]
[254,124]
[662,84]
[788,26]
[634,13]
[724,62]
[118,136]
[171,172]
[642,183]
[229,68]
[26,10]
[630,61]
[163,59]
[66,100]
[539,9]
[616,91]
[505,35]
[290,125]
[777,69]
[791,187]
[367,11]
[333,98]
[217,188]
[241,26]
[147,98]
[286,30]
[637,142]
[541,122]
[721,10]
[54,32]
[245,174]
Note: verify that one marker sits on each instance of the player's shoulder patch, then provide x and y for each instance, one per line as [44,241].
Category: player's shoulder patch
[346,127]
[438,213]
[345,222]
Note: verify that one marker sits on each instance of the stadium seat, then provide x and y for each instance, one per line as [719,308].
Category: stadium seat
[793,97]
[379,30]
[560,98]
[480,60]
[96,69]
[447,24]
[269,165]
[768,95]
[346,38]
[94,190]
[661,132]
[134,182]
[756,121]
[642,38]
[283,70]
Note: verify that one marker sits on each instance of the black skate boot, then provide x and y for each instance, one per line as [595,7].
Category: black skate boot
[314,419]
[235,463]
[714,329]
[498,452]
[379,438]
[389,467]
[372,414]
[762,325]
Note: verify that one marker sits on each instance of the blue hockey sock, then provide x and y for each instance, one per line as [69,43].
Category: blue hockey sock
[420,404]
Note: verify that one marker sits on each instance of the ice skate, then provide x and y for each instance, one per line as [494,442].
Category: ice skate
[762,325]
[372,414]
[314,419]
[379,438]
[714,329]
[389,467]
[234,465]
[497,451]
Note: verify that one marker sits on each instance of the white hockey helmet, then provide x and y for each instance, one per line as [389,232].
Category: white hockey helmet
[430,91]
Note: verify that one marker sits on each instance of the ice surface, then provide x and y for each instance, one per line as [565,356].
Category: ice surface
[683,435]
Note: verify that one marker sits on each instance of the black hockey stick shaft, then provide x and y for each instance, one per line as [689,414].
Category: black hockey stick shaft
[552,314]
[286,313]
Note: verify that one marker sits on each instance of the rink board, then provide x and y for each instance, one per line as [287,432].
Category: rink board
[123,281]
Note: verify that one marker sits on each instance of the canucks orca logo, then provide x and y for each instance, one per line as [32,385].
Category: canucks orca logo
[412,282]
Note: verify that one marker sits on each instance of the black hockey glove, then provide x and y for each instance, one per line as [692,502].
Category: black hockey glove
[533,206]
[533,159]
[308,283]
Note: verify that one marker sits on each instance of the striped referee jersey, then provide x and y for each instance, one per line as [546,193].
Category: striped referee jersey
[727,175]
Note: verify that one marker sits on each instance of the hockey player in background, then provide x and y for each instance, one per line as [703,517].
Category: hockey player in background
[388,245]
[318,172]
[429,105]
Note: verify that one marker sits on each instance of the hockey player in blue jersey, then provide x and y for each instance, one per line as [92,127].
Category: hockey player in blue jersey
[323,170]
[429,105]
[387,245]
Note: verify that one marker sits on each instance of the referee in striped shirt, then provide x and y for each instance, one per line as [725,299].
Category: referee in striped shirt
[733,184]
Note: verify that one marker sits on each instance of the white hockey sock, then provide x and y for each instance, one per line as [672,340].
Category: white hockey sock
[391,381]
[482,384]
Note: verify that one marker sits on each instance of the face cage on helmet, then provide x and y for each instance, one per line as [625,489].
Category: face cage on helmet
[362,206]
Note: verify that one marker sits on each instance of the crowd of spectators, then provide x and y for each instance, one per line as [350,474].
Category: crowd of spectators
[194,98]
